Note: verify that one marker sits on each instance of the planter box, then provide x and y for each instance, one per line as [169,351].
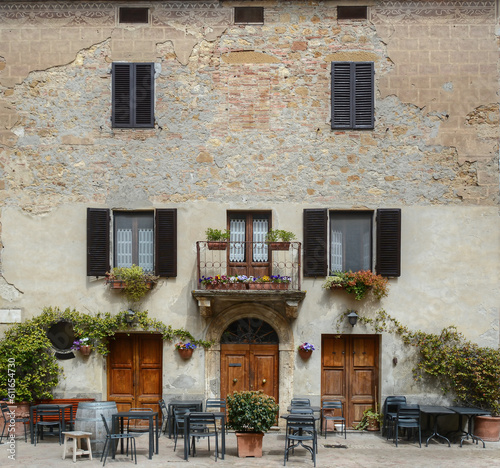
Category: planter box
[279,245]
[268,285]
[212,245]
[249,444]
[118,284]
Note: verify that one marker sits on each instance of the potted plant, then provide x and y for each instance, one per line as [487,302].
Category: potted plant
[268,282]
[83,344]
[185,349]
[370,420]
[279,239]
[217,239]
[251,414]
[359,283]
[133,281]
[305,350]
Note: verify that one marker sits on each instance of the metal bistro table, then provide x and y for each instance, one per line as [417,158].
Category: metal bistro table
[196,405]
[470,413]
[150,416]
[218,415]
[62,408]
[436,411]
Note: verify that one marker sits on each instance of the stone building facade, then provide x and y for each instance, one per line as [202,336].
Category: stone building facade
[242,125]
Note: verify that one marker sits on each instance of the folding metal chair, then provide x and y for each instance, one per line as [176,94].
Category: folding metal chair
[328,413]
[112,437]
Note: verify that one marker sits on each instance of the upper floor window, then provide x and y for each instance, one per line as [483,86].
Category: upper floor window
[347,244]
[353,95]
[133,15]
[352,12]
[144,238]
[248,15]
[133,95]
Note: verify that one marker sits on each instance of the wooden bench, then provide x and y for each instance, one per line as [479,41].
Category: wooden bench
[67,413]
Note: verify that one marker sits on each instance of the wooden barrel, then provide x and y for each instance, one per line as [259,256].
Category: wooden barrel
[88,419]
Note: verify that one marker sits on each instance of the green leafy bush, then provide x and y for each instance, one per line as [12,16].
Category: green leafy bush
[215,235]
[137,282]
[251,411]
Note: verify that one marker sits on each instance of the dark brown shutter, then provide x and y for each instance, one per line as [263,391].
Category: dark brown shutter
[389,242]
[144,95]
[352,95]
[133,95]
[166,242]
[97,241]
[315,242]
[122,99]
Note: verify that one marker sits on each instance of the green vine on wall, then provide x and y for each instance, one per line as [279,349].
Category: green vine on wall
[28,368]
[469,371]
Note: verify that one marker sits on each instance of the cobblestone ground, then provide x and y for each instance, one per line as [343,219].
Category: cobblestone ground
[359,450]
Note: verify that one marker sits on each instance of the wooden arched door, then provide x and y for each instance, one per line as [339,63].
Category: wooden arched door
[250,358]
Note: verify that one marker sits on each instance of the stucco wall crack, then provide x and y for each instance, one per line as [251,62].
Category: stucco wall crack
[8,291]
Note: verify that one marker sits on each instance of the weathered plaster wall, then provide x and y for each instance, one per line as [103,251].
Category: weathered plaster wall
[242,122]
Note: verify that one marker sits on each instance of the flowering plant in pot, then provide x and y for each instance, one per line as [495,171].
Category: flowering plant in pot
[82,344]
[185,349]
[305,350]
[251,414]
[359,283]
[133,281]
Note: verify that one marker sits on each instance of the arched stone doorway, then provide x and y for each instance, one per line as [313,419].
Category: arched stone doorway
[279,324]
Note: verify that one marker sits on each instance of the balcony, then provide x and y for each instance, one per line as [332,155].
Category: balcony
[280,261]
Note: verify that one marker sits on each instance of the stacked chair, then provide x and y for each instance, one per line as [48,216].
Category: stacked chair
[330,412]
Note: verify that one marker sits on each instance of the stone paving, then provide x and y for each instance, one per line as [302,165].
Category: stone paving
[359,450]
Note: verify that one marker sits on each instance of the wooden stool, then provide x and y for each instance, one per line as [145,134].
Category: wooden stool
[77,436]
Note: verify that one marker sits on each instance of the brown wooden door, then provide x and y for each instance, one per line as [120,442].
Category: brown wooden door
[248,253]
[249,367]
[135,371]
[350,372]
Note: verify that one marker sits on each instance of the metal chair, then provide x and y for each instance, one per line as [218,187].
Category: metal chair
[300,402]
[53,415]
[202,425]
[7,418]
[300,428]
[408,417]
[179,414]
[111,438]
[164,415]
[328,411]
[137,430]
[218,404]
[390,411]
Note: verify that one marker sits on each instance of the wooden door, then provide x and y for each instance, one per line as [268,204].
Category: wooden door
[249,367]
[135,371]
[248,253]
[350,372]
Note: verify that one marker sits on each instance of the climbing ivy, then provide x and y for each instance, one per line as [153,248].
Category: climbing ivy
[468,370]
[26,355]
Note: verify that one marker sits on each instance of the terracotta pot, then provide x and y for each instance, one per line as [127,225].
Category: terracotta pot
[185,353]
[116,284]
[487,427]
[373,426]
[217,245]
[305,354]
[249,444]
[85,350]
[279,245]
[237,286]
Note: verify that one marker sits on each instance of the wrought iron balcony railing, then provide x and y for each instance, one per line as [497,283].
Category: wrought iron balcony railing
[242,264]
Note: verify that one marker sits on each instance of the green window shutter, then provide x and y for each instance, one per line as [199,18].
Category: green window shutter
[315,242]
[389,242]
[97,241]
[166,242]
[352,95]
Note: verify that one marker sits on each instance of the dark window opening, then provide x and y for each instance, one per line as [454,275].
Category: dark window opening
[352,12]
[251,331]
[134,15]
[245,15]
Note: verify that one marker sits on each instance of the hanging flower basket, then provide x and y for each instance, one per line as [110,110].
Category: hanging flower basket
[306,350]
[185,350]
[85,350]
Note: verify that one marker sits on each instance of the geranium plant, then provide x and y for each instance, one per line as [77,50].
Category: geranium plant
[182,345]
[307,347]
[358,283]
[136,281]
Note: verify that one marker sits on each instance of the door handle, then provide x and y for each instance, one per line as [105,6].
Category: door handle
[264,381]
[235,380]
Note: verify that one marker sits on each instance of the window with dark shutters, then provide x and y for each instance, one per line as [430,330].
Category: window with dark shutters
[352,95]
[133,95]
[389,242]
[166,242]
[315,242]
[97,241]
